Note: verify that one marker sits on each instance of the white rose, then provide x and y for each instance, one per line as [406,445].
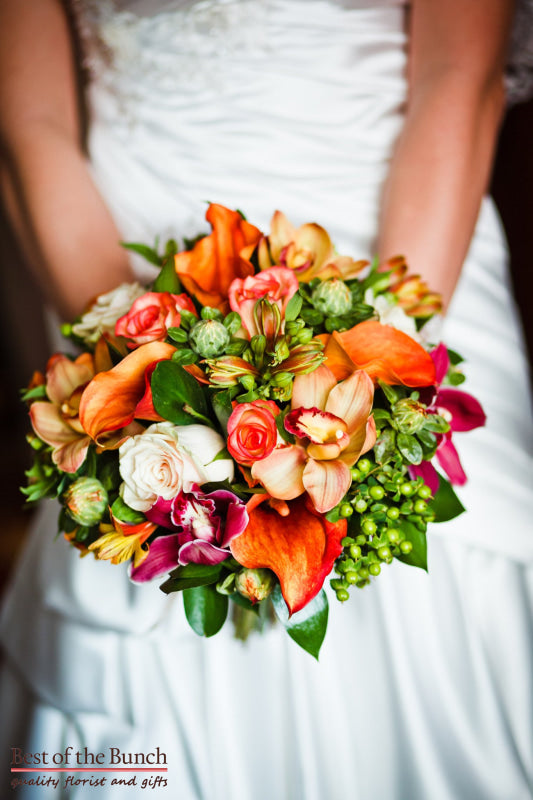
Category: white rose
[167,459]
[106,310]
[390,313]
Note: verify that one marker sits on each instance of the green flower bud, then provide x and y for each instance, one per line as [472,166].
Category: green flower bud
[209,338]
[332,297]
[409,415]
[255,584]
[86,501]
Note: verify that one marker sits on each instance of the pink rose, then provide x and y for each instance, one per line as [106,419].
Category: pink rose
[151,315]
[252,431]
[278,284]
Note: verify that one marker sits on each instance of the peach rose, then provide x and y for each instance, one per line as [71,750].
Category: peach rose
[252,431]
[151,315]
[277,284]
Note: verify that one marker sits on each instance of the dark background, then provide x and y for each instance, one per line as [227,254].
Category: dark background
[23,345]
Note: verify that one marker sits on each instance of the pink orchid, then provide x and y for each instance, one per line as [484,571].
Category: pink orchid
[463,413]
[333,424]
[205,524]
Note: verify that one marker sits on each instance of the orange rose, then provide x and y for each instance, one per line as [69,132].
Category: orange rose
[151,315]
[252,431]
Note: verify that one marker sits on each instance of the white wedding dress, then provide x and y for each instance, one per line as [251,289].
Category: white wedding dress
[424,688]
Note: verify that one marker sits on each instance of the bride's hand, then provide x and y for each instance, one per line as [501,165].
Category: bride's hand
[442,163]
[64,228]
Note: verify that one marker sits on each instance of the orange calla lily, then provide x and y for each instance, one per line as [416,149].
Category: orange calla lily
[216,260]
[382,351]
[300,548]
[110,400]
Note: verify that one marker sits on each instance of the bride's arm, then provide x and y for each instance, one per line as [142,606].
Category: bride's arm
[442,163]
[63,225]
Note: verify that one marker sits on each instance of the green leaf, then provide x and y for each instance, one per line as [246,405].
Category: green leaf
[205,609]
[143,250]
[191,575]
[308,626]
[436,424]
[184,357]
[456,378]
[445,505]
[454,357]
[385,445]
[393,394]
[167,280]
[232,323]
[124,513]
[410,448]
[173,389]
[294,306]
[418,555]
[223,408]
[37,393]
[178,335]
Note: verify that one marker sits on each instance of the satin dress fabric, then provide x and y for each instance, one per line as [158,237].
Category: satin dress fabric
[424,687]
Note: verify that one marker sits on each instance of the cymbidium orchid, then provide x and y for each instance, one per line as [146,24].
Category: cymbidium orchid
[463,413]
[57,422]
[203,526]
[333,426]
[308,251]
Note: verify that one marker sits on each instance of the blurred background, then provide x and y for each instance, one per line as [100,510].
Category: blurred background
[23,345]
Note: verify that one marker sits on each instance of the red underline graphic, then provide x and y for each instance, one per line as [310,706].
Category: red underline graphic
[89,769]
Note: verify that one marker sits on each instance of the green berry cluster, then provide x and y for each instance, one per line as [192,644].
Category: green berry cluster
[383,509]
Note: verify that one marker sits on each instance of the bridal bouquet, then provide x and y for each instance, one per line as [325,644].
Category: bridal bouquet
[267,414]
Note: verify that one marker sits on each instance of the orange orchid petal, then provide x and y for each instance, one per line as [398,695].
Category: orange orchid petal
[326,483]
[109,401]
[281,233]
[64,375]
[384,353]
[281,472]
[49,425]
[312,390]
[352,399]
[216,260]
[300,548]
[71,456]
[336,357]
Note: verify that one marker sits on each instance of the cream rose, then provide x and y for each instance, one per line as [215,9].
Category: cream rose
[103,314]
[167,459]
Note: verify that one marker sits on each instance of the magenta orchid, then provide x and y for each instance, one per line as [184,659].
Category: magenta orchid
[463,413]
[204,526]
[333,425]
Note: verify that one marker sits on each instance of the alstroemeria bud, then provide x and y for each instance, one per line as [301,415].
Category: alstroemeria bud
[409,415]
[226,371]
[415,297]
[86,500]
[303,358]
[255,584]
[332,297]
[209,338]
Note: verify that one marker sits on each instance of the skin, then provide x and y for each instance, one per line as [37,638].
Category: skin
[455,106]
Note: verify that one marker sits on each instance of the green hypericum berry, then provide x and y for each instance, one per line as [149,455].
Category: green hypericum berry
[356,474]
[374,569]
[369,527]
[360,505]
[376,492]
[406,546]
[360,539]
[384,553]
[363,573]
[364,465]
[407,489]
[355,551]
[343,595]
[393,512]
[346,510]
[393,535]
[332,297]
[209,338]
[352,577]
[420,507]
[424,492]
[86,500]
